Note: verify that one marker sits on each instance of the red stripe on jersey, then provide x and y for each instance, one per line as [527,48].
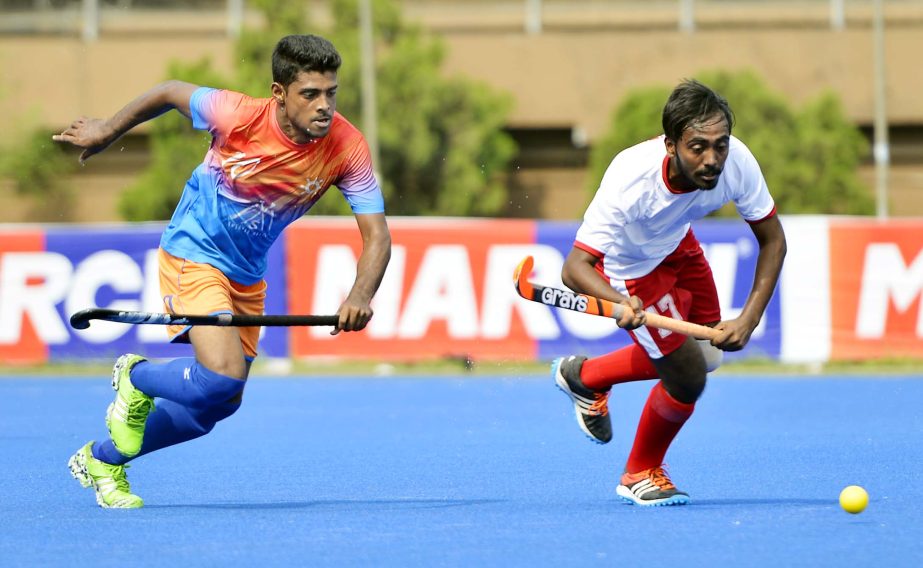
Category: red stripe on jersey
[600,268]
[769,216]
[589,249]
[665,169]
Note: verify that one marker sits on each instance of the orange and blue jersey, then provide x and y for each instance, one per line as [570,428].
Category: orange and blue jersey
[254,181]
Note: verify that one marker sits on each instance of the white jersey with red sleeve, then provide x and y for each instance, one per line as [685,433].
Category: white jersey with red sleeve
[636,218]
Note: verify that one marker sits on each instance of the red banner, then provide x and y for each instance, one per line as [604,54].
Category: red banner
[876,282]
[432,302]
[19,342]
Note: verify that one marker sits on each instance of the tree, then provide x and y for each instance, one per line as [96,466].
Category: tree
[37,167]
[442,145]
[637,118]
[176,149]
[443,149]
[832,149]
[809,157]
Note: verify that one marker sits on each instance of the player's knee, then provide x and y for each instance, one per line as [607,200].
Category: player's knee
[206,418]
[686,389]
[713,356]
[218,412]
[695,387]
[214,388]
[232,367]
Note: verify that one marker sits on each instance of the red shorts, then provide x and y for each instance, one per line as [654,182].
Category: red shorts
[194,288]
[681,287]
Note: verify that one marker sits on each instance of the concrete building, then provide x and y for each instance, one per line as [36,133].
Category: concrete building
[567,63]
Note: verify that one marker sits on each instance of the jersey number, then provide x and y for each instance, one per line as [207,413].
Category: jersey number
[666,307]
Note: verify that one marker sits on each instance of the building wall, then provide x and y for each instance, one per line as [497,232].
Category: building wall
[570,76]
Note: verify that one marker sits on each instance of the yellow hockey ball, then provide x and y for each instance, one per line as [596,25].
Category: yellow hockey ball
[854,499]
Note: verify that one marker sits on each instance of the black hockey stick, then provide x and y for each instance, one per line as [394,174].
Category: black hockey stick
[81,319]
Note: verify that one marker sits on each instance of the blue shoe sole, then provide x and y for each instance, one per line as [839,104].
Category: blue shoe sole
[672,501]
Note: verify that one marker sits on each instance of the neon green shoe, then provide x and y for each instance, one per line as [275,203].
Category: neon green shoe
[108,481]
[127,414]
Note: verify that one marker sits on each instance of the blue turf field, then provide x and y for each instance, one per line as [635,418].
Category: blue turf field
[474,471]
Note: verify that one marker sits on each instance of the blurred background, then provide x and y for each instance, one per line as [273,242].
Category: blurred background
[496,110]
[503,100]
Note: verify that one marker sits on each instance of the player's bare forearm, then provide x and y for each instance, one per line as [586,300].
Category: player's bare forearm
[771,239]
[376,253]
[153,103]
[356,311]
[580,275]
[94,134]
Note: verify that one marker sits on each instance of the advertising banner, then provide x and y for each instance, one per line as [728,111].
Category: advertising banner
[876,283]
[448,291]
[21,305]
[47,275]
[851,289]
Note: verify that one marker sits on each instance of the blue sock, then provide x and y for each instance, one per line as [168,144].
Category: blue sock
[170,424]
[185,381]
[105,452]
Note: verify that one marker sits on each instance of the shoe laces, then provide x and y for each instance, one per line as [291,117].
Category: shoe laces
[117,474]
[122,480]
[600,406]
[138,408]
[660,478]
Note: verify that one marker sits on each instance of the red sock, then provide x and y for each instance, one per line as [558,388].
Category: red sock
[623,366]
[661,420]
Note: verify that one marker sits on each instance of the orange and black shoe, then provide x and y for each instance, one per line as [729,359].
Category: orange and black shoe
[591,406]
[650,488]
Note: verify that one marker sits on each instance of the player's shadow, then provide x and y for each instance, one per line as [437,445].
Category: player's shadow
[763,502]
[366,505]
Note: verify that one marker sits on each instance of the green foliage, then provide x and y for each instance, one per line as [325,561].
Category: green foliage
[443,150]
[253,49]
[474,151]
[832,150]
[37,167]
[176,149]
[636,119]
[809,157]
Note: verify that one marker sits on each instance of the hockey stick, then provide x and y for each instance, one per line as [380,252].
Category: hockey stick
[565,299]
[81,319]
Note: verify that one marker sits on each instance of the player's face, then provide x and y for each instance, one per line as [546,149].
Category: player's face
[697,159]
[307,105]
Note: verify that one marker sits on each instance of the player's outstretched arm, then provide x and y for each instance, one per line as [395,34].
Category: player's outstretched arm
[771,238]
[355,312]
[580,275]
[95,134]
